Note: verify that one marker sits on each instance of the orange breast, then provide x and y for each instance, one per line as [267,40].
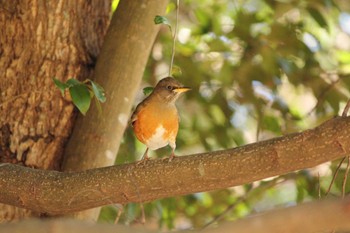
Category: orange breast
[149,119]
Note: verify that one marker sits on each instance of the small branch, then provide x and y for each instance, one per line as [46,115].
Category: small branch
[334,176]
[321,97]
[55,192]
[174,37]
[346,177]
[346,109]
[319,185]
[240,200]
[119,213]
[226,211]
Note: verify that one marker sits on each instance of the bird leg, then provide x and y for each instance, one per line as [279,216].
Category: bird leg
[172,155]
[144,157]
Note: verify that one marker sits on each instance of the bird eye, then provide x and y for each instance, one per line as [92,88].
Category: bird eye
[170,88]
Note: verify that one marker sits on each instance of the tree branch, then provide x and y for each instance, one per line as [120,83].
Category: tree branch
[63,192]
[318,216]
[119,69]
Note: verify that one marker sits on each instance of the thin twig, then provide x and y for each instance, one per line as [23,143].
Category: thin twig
[344,114]
[143,216]
[334,176]
[119,213]
[346,109]
[345,177]
[240,200]
[321,97]
[227,210]
[319,185]
[174,37]
[258,129]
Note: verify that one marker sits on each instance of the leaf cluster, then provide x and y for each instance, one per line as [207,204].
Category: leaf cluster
[82,93]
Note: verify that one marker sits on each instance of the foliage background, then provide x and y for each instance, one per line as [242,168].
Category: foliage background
[259,69]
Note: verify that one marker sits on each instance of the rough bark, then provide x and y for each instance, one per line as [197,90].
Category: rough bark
[96,137]
[41,40]
[61,192]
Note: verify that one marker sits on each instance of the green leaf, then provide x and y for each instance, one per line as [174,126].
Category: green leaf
[98,91]
[176,71]
[73,82]
[272,123]
[147,90]
[217,114]
[62,86]
[81,97]
[318,17]
[161,20]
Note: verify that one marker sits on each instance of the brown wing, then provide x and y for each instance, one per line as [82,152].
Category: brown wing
[141,105]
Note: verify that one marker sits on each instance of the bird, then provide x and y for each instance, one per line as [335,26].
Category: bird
[155,120]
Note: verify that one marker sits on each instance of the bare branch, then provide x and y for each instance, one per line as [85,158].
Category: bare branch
[345,177]
[346,109]
[321,97]
[240,200]
[63,192]
[334,176]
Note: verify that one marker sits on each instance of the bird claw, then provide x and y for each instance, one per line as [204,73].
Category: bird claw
[172,156]
[143,161]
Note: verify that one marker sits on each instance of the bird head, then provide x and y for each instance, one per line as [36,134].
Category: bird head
[169,89]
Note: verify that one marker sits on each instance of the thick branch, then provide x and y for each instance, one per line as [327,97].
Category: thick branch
[119,70]
[61,192]
[318,216]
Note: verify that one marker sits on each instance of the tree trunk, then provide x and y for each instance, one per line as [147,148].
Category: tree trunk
[96,137]
[41,40]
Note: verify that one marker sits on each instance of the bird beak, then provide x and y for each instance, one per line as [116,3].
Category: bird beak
[181,89]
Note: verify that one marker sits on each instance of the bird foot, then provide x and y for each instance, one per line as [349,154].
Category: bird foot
[172,156]
[143,161]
